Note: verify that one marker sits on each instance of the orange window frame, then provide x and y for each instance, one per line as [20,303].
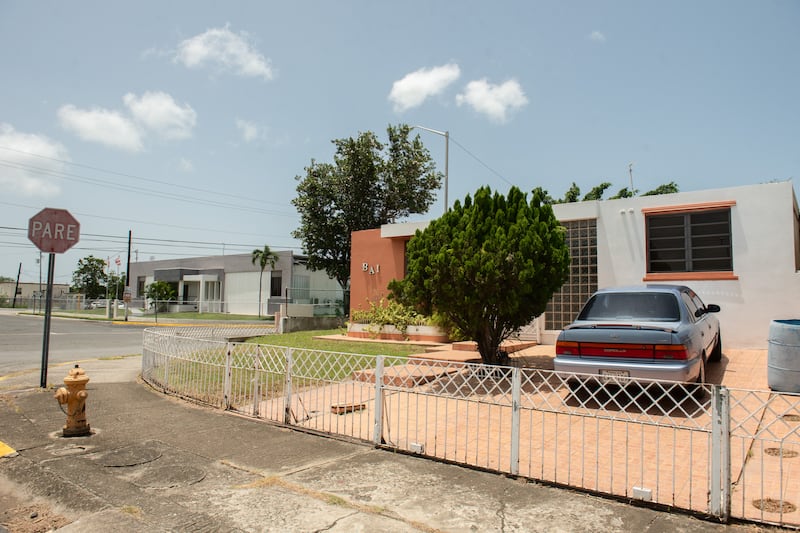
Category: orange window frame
[685,276]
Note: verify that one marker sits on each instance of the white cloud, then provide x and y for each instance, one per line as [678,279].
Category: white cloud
[597,37]
[414,88]
[185,165]
[494,101]
[158,112]
[103,126]
[224,50]
[248,129]
[24,172]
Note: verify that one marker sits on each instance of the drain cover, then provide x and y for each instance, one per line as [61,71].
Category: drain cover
[130,456]
[170,476]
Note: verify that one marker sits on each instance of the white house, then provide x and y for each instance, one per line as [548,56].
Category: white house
[738,247]
[230,284]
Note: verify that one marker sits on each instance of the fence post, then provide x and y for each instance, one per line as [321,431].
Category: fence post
[257,381]
[516,392]
[720,482]
[287,408]
[377,430]
[226,380]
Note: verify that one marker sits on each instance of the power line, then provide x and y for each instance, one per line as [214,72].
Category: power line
[150,241]
[138,190]
[476,158]
[145,222]
[133,176]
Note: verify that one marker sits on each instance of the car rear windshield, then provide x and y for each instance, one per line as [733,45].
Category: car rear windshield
[639,306]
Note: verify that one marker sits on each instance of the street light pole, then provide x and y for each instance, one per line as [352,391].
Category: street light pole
[446,135]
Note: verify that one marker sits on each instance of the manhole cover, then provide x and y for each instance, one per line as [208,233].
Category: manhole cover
[130,456]
[770,505]
[167,477]
[791,418]
[780,452]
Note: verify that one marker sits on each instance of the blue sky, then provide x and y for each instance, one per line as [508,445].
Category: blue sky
[187,122]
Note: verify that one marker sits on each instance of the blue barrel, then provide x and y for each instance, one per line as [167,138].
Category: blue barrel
[783,356]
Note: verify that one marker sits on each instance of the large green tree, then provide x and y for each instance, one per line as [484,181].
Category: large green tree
[489,266]
[263,256]
[90,277]
[369,183]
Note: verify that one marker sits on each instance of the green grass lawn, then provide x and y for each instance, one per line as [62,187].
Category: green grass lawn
[305,339]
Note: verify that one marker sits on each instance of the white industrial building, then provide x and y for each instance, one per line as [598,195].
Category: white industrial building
[230,284]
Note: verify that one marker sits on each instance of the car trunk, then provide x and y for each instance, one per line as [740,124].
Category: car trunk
[626,341]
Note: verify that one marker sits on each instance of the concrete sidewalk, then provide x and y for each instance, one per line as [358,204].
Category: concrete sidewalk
[161,464]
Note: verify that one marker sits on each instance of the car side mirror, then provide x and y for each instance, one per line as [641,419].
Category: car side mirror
[710,308]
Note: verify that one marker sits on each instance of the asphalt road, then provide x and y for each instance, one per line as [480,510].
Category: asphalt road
[21,339]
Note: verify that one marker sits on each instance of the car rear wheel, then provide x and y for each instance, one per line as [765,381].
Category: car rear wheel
[716,353]
[699,389]
[701,377]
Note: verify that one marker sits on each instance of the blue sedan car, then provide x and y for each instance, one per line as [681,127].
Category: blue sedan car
[659,332]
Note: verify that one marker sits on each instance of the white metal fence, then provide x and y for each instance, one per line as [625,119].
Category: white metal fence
[291,306]
[710,449]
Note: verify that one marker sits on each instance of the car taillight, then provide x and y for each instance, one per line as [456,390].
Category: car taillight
[567,348]
[671,351]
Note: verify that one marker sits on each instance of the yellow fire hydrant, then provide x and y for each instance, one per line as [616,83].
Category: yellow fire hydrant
[74,395]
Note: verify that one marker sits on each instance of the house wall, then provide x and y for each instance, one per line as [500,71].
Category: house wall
[763,227]
[374,262]
[764,286]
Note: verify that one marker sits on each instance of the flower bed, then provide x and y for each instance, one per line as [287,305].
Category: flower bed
[389,332]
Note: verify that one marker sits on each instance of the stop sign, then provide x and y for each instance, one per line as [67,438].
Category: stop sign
[53,231]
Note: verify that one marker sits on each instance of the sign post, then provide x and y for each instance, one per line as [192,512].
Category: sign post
[53,231]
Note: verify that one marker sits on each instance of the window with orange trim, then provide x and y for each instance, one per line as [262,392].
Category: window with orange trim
[691,241]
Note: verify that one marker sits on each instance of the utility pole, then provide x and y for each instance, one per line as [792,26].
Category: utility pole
[126,296]
[16,288]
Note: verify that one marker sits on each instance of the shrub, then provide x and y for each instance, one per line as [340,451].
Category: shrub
[389,313]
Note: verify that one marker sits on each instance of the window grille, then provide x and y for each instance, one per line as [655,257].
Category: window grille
[698,241]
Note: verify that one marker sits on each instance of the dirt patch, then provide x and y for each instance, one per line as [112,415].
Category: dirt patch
[21,512]
[780,452]
[36,518]
[771,505]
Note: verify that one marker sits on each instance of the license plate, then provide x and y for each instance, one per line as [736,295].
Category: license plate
[614,375]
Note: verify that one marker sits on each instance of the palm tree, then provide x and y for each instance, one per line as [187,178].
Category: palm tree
[263,257]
